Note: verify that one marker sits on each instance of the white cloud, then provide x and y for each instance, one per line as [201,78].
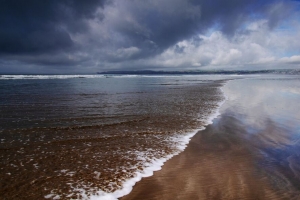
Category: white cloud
[291,60]
[259,47]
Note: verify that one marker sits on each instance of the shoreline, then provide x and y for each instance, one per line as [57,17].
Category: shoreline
[246,153]
[250,151]
[157,164]
[102,141]
[211,167]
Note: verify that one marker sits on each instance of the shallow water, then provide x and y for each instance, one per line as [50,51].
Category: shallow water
[72,137]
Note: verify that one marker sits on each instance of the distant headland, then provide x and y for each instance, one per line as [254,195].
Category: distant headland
[202,72]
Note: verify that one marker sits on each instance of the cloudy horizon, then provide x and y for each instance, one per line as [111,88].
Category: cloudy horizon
[72,36]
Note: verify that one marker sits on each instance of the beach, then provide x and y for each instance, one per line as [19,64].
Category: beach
[150,100]
[247,153]
[204,137]
[215,165]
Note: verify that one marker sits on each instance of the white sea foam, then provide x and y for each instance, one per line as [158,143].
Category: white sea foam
[153,165]
[8,77]
[49,76]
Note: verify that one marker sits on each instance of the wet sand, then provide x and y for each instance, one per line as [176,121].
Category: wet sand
[251,151]
[219,163]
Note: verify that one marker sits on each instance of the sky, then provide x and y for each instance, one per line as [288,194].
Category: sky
[75,36]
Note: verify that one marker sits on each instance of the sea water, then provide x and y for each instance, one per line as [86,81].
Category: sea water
[91,136]
[95,136]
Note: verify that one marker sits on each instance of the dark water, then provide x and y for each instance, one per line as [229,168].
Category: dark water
[71,137]
[45,102]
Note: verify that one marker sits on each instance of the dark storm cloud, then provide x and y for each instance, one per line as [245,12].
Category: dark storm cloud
[178,20]
[72,32]
[36,26]
[156,25]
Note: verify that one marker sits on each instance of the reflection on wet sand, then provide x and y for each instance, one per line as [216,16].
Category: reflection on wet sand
[217,164]
[251,151]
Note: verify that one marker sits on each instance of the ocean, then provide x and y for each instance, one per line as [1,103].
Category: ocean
[76,136]
[96,136]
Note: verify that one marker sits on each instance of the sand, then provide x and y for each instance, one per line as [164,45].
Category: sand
[219,163]
[251,151]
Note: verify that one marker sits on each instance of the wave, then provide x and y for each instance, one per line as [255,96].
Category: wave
[155,164]
[49,76]
[33,77]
